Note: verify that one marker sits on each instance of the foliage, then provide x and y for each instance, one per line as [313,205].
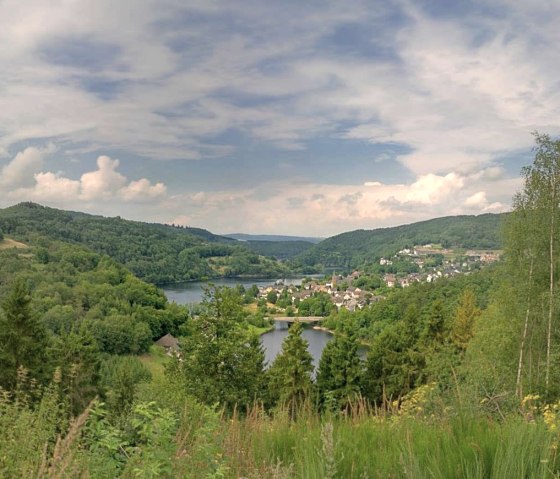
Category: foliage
[155,253]
[23,338]
[281,250]
[529,296]
[356,248]
[339,378]
[290,373]
[221,362]
[120,376]
[319,304]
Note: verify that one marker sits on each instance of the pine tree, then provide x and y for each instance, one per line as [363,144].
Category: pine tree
[290,373]
[394,363]
[76,354]
[435,327]
[465,316]
[221,363]
[23,339]
[340,370]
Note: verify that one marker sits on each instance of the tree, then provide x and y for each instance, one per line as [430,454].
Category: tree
[340,370]
[290,373]
[465,315]
[396,359]
[76,354]
[221,362]
[435,327]
[272,297]
[532,244]
[23,338]
[542,183]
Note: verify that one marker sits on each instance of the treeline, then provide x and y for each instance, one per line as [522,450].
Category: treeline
[357,248]
[281,250]
[155,253]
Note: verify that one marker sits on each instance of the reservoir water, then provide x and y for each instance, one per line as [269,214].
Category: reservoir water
[272,341]
[192,292]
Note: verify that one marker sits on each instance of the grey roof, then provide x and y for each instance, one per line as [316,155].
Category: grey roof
[168,341]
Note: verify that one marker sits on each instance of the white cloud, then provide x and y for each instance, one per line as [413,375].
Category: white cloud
[18,173]
[432,189]
[478,200]
[102,185]
[325,210]
[143,190]
[52,187]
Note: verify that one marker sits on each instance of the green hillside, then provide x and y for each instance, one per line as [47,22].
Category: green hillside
[355,248]
[154,252]
[275,238]
[281,250]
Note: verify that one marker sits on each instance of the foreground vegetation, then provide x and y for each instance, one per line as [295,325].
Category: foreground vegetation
[179,437]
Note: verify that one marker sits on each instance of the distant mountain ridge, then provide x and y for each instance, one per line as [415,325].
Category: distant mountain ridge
[249,237]
[355,248]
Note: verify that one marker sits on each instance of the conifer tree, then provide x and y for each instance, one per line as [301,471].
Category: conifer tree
[340,370]
[23,338]
[290,373]
[221,363]
[465,316]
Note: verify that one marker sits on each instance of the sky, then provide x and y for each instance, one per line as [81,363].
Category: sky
[280,117]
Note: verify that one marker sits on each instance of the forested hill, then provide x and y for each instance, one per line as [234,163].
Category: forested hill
[355,248]
[281,247]
[154,252]
[274,238]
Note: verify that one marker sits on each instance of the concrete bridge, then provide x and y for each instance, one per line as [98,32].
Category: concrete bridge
[302,319]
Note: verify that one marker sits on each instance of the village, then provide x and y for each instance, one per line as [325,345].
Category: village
[419,264]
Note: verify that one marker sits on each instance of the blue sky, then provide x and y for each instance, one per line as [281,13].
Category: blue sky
[307,118]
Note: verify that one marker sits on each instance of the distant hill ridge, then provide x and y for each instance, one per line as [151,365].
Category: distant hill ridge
[163,253]
[155,252]
[249,237]
[354,248]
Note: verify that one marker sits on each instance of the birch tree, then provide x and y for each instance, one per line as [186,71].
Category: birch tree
[534,243]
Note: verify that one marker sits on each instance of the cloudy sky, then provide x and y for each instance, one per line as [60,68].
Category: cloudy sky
[291,117]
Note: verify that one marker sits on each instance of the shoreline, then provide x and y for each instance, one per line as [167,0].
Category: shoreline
[322,328]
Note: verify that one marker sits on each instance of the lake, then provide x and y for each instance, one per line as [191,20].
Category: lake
[272,341]
[193,291]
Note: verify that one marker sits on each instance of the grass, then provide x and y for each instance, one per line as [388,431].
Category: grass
[403,448]
[8,243]
[255,445]
[260,330]
[155,361]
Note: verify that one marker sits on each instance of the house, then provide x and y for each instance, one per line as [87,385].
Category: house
[390,280]
[404,282]
[169,343]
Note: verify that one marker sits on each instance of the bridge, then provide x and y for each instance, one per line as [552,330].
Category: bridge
[302,319]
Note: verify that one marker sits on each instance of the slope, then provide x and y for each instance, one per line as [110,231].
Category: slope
[154,252]
[354,248]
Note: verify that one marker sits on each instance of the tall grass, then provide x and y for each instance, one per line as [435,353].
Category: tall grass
[253,444]
[376,447]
